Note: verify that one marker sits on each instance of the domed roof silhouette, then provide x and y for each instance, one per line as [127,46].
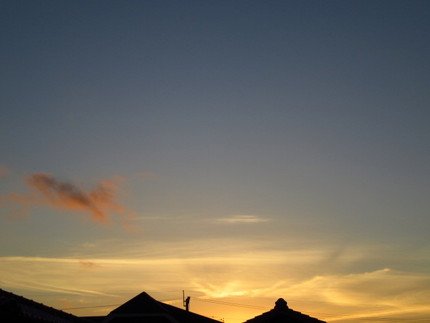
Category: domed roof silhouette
[281,313]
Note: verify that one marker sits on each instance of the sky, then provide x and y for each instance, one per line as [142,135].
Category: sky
[241,151]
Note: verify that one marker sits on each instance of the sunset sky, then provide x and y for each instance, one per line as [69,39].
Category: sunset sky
[241,151]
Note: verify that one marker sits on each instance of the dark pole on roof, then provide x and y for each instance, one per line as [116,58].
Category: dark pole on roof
[187,304]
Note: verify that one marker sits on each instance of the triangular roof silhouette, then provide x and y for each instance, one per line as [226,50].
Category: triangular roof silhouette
[142,303]
[144,308]
[281,313]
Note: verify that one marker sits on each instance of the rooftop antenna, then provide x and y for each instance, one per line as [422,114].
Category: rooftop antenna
[186,301]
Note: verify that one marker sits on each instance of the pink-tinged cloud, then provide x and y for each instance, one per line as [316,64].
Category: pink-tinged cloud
[146,176]
[88,264]
[65,304]
[4,171]
[21,207]
[99,202]
[67,196]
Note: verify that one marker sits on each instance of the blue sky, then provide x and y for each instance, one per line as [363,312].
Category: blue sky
[286,134]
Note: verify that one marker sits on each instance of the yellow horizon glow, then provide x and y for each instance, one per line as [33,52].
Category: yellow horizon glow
[96,282]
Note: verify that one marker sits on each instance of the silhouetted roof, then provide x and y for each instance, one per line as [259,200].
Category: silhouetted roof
[282,314]
[93,318]
[14,308]
[144,306]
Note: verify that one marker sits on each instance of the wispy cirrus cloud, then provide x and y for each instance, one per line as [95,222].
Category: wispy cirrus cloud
[47,190]
[395,296]
[241,276]
[341,297]
[379,293]
[242,218]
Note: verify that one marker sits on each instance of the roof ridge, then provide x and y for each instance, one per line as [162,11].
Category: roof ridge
[9,296]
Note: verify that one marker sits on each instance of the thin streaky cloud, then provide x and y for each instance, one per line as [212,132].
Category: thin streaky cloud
[242,219]
[275,257]
[386,315]
[56,289]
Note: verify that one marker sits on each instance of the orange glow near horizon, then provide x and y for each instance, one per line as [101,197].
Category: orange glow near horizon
[82,284]
[242,151]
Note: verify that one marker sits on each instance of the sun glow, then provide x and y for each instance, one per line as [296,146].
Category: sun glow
[383,292]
